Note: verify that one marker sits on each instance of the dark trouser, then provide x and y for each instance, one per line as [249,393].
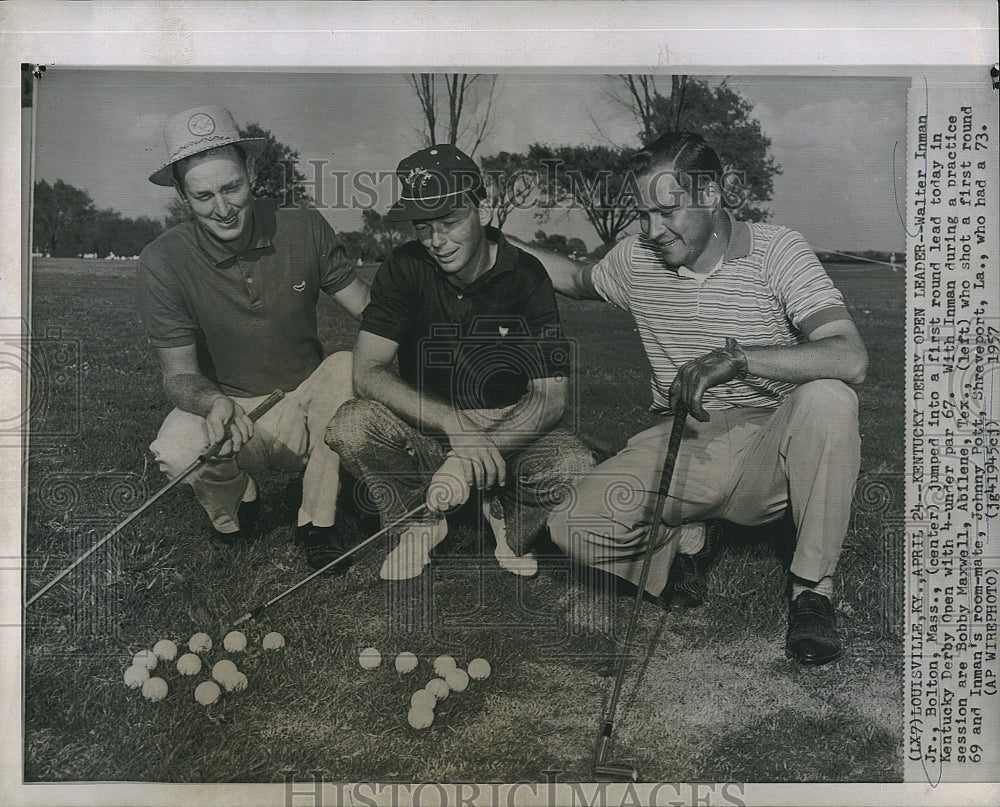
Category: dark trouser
[396,462]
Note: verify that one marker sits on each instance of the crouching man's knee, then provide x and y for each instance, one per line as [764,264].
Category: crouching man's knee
[583,538]
[181,439]
[352,427]
[829,401]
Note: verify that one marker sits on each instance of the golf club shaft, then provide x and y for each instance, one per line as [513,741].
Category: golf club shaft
[204,457]
[663,488]
[357,547]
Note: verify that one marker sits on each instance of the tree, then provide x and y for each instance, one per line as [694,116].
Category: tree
[510,182]
[114,234]
[63,219]
[469,98]
[722,116]
[557,242]
[592,178]
[383,235]
[276,175]
[178,211]
[67,224]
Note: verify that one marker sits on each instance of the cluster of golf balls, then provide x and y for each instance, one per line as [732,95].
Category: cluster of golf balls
[225,675]
[449,678]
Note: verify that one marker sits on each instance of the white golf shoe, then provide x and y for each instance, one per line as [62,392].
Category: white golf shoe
[408,559]
[525,565]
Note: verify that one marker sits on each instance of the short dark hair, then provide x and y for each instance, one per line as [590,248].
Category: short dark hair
[175,168]
[686,151]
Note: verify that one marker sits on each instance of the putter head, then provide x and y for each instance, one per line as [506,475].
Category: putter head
[605,771]
[615,772]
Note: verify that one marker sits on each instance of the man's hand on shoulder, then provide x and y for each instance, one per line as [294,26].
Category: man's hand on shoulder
[569,278]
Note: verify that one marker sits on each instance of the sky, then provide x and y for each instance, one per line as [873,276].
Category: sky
[833,137]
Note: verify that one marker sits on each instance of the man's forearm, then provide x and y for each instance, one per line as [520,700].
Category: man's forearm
[421,411]
[534,415]
[192,392]
[531,417]
[831,357]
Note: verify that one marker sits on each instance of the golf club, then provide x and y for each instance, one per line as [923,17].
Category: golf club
[615,771]
[253,614]
[204,457]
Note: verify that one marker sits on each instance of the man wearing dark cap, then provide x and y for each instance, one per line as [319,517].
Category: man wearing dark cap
[482,375]
[228,299]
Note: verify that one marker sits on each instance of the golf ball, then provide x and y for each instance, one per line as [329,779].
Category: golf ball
[443,665]
[189,664]
[235,641]
[200,643]
[235,683]
[155,689]
[135,676]
[145,658]
[420,717]
[207,693]
[479,668]
[273,641]
[457,680]
[223,670]
[165,650]
[370,658]
[423,698]
[406,662]
[438,688]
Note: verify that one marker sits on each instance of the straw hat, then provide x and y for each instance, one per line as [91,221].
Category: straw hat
[199,129]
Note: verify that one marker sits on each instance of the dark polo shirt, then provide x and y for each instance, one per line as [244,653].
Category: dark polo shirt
[252,314]
[476,347]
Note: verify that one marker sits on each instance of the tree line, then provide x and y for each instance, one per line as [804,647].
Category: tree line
[457,108]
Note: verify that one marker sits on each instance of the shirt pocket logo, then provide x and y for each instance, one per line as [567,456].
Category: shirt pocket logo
[300,286]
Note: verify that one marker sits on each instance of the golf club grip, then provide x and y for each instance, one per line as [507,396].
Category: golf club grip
[254,414]
[667,476]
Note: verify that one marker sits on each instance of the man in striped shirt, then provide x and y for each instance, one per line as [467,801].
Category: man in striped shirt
[743,328]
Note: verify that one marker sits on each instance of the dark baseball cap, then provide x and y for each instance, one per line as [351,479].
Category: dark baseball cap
[435,181]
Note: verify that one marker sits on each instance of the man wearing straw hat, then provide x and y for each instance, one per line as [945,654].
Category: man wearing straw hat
[228,299]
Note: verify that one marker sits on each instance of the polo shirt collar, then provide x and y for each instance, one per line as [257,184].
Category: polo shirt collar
[740,239]
[506,261]
[261,236]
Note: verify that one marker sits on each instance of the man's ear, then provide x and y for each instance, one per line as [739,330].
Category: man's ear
[485,212]
[252,171]
[710,196]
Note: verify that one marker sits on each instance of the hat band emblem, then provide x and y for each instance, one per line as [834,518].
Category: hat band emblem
[417,176]
[201,124]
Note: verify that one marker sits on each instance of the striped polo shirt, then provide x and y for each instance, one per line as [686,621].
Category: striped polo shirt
[769,289]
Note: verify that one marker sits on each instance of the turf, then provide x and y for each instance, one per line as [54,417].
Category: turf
[715,700]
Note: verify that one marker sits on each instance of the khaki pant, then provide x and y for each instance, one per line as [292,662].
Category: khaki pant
[288,438]
[744,465]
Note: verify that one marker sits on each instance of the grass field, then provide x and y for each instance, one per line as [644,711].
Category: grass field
[715,700]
